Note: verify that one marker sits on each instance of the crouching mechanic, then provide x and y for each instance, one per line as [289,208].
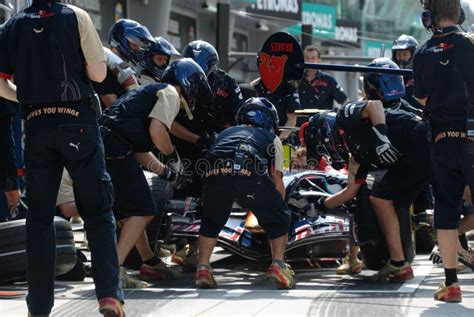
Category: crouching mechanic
[135,124]
[392,142]
[245,164]
[194,137]
[319,139]
[395,141]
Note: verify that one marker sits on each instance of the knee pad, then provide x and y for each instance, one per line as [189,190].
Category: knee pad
[209,229]
[274,231]
[446,219]
[280,225]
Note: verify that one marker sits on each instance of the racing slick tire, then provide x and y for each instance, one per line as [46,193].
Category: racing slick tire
[13,249]
[424,240]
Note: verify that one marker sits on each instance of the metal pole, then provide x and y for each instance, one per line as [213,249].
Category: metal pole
[307,35]
[334,58]
[222,34]
[359,69]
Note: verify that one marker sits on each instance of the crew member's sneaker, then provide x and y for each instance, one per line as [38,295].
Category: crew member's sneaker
[283,278]
[163,253]
[391,273]
[466,257]
[451,293]
[186,257]
[111,307]
[129,282]
[349,265]
[158,272]
[204,277]
[77,220]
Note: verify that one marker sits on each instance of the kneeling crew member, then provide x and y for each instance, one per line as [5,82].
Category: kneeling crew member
[245,165]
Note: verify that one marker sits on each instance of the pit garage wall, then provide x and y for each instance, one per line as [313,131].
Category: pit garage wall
[152,13]
[185,20]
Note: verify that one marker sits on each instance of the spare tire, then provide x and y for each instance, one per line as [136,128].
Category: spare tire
[13,249]
[161,190]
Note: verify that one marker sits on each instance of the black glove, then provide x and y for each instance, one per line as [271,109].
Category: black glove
[386,152]
[320,206]
[204,142]
[168,174]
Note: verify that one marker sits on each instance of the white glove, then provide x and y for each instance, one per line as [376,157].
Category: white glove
[386,152]
[125,75]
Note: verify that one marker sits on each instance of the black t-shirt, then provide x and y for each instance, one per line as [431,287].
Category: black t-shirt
[443,70]
[360,138]
[227,100]
[109,86]
[49,64]
[320,92]
[257,145]
[220,114]
[283,104]
[409,91]
[217,116]
[8,108]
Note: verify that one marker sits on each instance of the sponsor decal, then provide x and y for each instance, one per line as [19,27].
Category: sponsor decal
[272,69]
[52,110]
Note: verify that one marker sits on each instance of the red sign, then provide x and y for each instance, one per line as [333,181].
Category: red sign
[272,69]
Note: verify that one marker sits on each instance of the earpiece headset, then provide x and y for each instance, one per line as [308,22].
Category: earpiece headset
[427,16]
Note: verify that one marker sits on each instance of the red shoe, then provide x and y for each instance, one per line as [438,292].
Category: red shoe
[111,307]
[395,274]
[451,293]
[283,278]
[204,277]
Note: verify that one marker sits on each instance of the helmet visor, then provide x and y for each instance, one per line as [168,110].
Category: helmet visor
[138,44]
[392,87]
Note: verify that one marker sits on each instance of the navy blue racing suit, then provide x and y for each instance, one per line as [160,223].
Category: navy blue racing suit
[237,169]
[46,47]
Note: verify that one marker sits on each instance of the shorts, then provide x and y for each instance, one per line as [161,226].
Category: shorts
[66,190]
[403,181]
[132,193]
[257,193]
[452,169]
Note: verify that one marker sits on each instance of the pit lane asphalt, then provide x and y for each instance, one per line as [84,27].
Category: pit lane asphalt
[243,290]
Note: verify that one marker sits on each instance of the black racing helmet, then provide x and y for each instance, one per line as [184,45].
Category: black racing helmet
[384,87]
[191,78]
[124,31]
[404,42]
[260,112]
[204,54]
[163,47]
[322,139]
